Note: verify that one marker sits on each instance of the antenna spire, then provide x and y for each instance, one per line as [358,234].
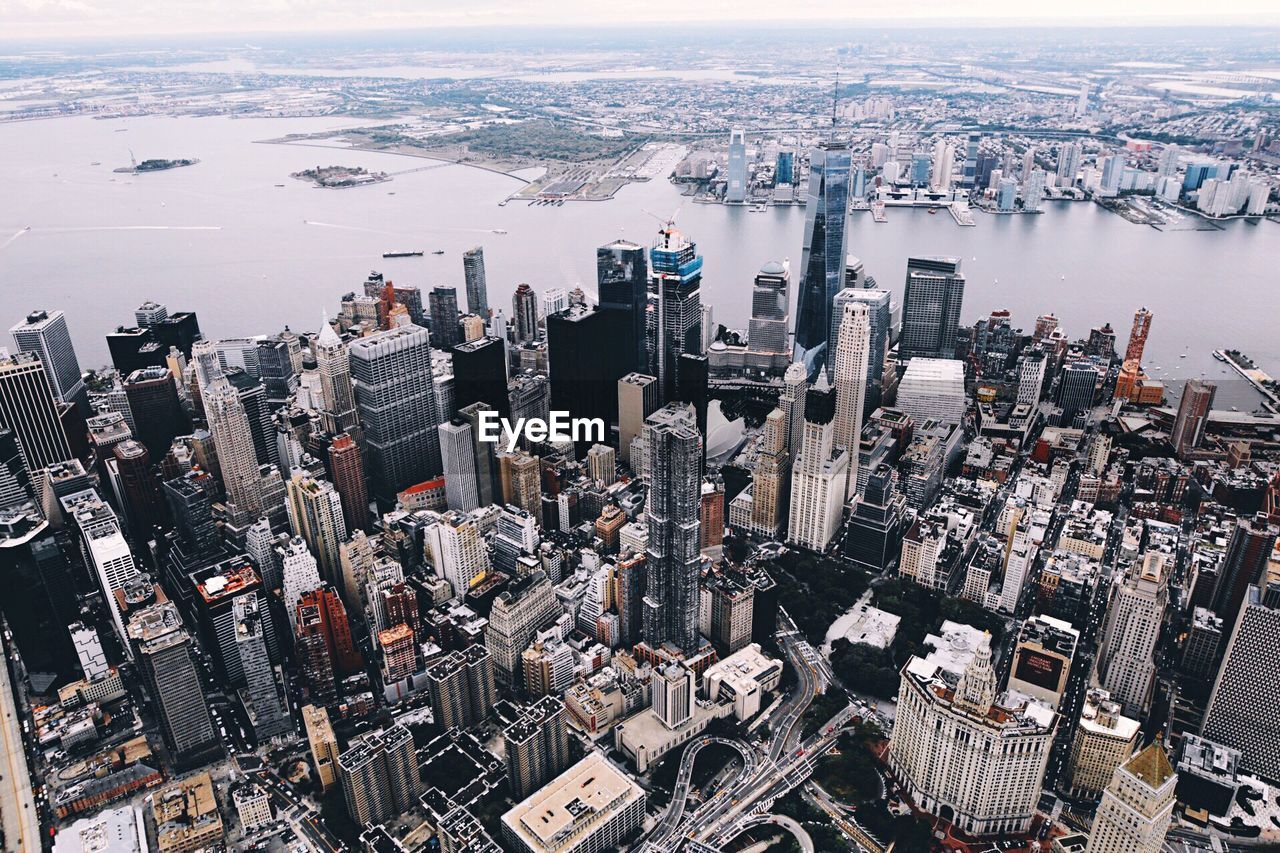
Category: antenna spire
[835,99]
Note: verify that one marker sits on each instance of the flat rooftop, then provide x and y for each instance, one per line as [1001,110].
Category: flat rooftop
[546,820]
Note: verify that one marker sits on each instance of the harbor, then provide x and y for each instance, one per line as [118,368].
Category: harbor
[1259,379]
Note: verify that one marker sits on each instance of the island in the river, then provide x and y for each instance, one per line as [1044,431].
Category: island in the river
[340,177]
[156,165]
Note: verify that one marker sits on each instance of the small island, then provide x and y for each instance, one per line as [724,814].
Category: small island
[340,177]
[156,165]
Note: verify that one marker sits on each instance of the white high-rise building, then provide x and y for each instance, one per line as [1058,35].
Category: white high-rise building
[108,550]
[819,476]
[736,189]
[93,661]
[944,157]
[1031,377]
[338,398]
[1033,190]
[1068,164]
[554,300]
[933,389]
[1137,806]
[232,436]
[1125,665]
[300,572]
[853,344]
[673,689]
[315,514]
[457,551]
[457,452]
[964,755]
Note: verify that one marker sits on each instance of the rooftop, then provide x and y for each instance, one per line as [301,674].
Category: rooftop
[586,792]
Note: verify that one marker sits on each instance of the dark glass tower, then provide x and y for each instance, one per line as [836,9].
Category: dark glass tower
[480,375]
[443,302]
[477,289]
[583,380]
[822,256]
[622,275]
[931,307]
[677,277]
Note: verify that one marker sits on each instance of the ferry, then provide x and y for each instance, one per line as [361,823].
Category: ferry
[436,252]
[758,208]
[402,254]
[499,231]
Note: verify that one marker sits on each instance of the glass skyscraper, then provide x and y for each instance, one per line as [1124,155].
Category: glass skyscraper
[677,273]
[822,255]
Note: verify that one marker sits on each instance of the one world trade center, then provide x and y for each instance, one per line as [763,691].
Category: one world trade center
[822,257]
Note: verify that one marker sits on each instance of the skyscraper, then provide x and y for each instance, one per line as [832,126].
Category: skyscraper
[795,385]
[232,435]
[1193,416]
[315,514]
[1243,565]
[333,365]
[767,346]
[157,413]
[673,558]
[622,276]
[1131,367]
[637,399]
[931,308]
[1068,164]
[346,465]
[443,304]
[45,334]
[1137,807]
[477,289]
[524,314]
[852,344]
[969,173]
[822,254]
[28,410]
[583,374]
[1125,665]
[879,316]
[480,375]
[771,477]
[537,746]
[162,648]
[380,776]
[819,475]
[395,395]
[457,451]
[677,272]
[735,191]
[264,694]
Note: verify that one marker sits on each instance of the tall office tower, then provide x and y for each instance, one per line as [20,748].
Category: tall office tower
[1125,665]
[673,689]
[676,268]
[933,389]
[457,449]
[454,547]
[480,375]
[524,314]
[711,513]
[443,302]
[637,399]
[45,334]
[672,556]
[1131,367]
[210,594]
[1104,740]
[735,191]
[877,522]
[39,597]
[944,157]
[554,300]
[395,395]
[964,755]
[770,478]
[853,343]
[1077,389]
[1241,712]
[334,366]
[622,277]
[1243,565]
[320,611]
[257,410]
[157,412]
[602,464]
[486,462]
[1033,191]
[1137,806]
[315,514]
[822,254]
[28,409]
[931,308]
[1031,370]
[461,687]
[819,475]
[107,554]
[527,605]
[275,369]
[162,648]
[380,776]
[879,316]
[767,347]
[232,436]
[323,744]
[524,472]
[1068,163]
[1193,416]
[969,172]
[795,386]
[537,746]
[192,512]
[346,465]
[300,573]
[15,480]
[264,694]
[140,496]
[582,374]
[473,274]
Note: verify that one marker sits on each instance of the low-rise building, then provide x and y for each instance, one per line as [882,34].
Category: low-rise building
[186,815]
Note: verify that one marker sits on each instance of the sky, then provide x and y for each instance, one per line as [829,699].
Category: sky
[79,18]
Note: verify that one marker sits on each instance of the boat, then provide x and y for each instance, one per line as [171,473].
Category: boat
[499,231]
[1184,355]
[436,252]
[402,254]
[932,211]
[96,163]
[758,208]
[1218,354]
[279,185]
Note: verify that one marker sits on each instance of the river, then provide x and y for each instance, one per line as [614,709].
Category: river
[220,238]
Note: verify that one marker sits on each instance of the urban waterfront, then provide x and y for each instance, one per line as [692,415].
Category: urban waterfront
[249,256]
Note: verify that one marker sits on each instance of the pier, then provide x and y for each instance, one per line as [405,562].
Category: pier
[961,213]
[1259,379]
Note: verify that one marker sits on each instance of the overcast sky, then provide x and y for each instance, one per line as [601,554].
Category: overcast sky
[27,18]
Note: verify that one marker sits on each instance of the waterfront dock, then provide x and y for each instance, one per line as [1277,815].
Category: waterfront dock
[1259,379]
